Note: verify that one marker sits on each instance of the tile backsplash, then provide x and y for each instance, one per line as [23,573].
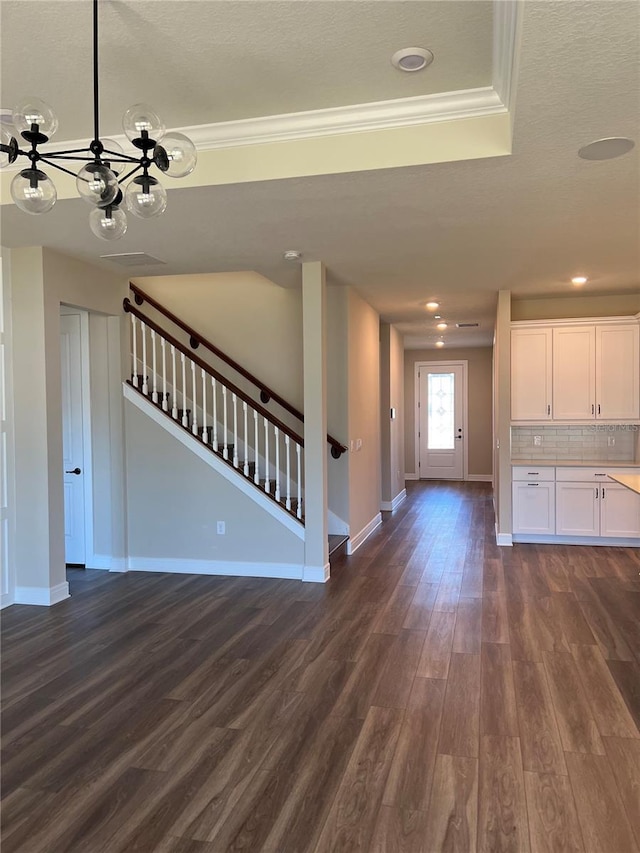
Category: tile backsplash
[586,442]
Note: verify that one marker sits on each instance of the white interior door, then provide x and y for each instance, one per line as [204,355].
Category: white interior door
[72,438]
[441,430]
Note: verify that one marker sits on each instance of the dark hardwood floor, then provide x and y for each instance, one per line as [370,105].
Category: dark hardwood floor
[438,694]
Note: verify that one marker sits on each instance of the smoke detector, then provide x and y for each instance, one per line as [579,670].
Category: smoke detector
[292,256]
[412,59]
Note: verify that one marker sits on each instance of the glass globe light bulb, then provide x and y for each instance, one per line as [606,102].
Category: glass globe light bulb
[108,223]
[33,192]
[97,184]
[31,112]
[139,120]
[111,149]
[145,197]
[177,156]
[6,140]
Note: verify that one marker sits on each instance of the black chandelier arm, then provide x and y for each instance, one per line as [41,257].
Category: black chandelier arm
[60,168]
[119,157]
[69,157]
[128,175]
[68,151]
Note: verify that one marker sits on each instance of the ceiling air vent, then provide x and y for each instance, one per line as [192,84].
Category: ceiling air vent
[467,325]
[132,259]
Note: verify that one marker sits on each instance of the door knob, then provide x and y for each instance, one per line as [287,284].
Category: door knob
[75,471]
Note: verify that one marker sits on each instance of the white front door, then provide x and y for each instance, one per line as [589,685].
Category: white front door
[72,438]
[441,430]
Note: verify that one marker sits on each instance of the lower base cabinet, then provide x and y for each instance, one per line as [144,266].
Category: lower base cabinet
[577,509]
[534,508]
[619,511]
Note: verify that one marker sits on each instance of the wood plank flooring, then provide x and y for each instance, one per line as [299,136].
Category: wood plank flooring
[438,694]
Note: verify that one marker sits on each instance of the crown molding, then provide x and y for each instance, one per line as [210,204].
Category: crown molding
[507,37]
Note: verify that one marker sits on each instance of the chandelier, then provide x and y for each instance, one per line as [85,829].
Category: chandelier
[101,180]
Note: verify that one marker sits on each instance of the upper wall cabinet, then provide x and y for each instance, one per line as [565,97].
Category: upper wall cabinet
[531,373]
[573,372]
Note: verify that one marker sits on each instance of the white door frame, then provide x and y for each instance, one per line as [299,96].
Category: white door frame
[87,470]
[464,364]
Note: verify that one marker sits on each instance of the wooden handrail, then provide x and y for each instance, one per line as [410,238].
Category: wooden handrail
[266,394]
[129,308]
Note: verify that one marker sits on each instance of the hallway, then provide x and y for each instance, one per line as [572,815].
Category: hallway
[439,693]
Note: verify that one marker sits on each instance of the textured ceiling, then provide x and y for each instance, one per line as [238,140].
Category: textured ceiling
[202,61]
[456,232]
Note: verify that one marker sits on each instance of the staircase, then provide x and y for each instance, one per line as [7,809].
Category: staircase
[214,410]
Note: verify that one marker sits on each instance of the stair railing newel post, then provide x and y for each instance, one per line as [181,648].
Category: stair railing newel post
[214,394]
[174,407]
[225,446]
[154,395]
[134,337]
[234,400]
[205,431]
[194,400]
[245,469]
[145,378]
[185,416]
[165,402]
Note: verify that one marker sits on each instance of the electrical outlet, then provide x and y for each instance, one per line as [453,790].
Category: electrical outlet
[537,440]
[221,528]
[610,441]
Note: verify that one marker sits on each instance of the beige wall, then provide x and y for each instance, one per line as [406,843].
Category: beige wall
[338,402]
[391,397]
[576,305]
[251,319]
[479,428]
[363,376]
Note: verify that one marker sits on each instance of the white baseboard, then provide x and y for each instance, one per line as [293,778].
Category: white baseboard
[410,476]
[172,565]
[504,539]
[118,564]
[43,596]
[6,600]
[316,574]
[546,539]
[336,525]
[480,478]
[389,506]
[356,541]
[98,561]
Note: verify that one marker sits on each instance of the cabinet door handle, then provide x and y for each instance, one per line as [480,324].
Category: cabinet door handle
[603,493]
[599,475]
[533,473]
[598,408]
[549,409]
[533,484]
[593,409]
[596,493]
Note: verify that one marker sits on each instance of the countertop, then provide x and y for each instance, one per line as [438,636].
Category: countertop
[573,463]
[631,481]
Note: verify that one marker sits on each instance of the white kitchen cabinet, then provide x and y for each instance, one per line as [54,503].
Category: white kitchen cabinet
[531,374]
[596,372]
[534,507]
[577,509]
[619,511]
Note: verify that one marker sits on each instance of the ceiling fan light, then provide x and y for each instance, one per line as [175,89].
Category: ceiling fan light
[34,115]
[145,197]
[97,184]
[177,156]
[108,223]
[33,192]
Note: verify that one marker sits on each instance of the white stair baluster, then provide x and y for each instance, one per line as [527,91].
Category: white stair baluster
[154,395]
[134,350]
[298,472]
[145,383]
[225,448]
[234,399]
[194,401]
[174,405]
[165,403]
[287,447]
[185,417]
[205,431]
[245,470]
[214,394]
[267,484]
[276,434]
[256,473]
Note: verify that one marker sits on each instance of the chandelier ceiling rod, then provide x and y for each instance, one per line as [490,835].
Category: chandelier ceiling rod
[98,183]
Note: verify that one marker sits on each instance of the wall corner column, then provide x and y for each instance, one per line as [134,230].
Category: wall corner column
[314,330]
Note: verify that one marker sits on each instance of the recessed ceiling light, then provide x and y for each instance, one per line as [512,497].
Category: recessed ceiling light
[437,316]
[441,326]
[432,306]
[292,256]
[579,279]
[606,149]
[439,343]
[412,59]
